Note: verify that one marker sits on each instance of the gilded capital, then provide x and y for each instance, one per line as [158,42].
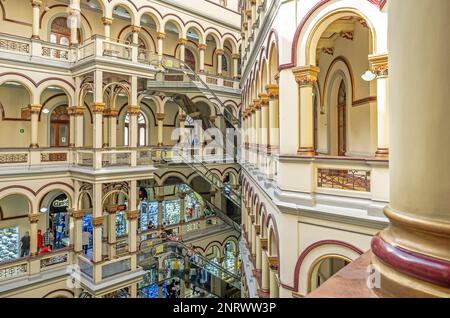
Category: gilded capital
[34,218]
[36,3]
[98,108]
[160,198]
[273,263]
[306,75]
[107,21]
[248,13]
[272,91]
[235,56]
[98,221]
[264,99]
[134,110]
[220,52]
[160,116]
[182,41]
[202,47]
[380,64]
[132,215]
[135,28]
[35,108]
[160,35]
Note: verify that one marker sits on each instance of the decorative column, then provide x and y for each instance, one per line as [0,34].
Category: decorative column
[107,27]
[160,117]
[272,93]
[160,199]
[111,218]
[274,288]
[135,29]
[182,43]
[72,119]
[380,67]
[34,220]
[133,112]
[412,254]
[258,248]
[258,134]
[36,4]
[182,197]
[132,217]
[265,274]
[105,128]
[236,58]
[160,36]
[35,110]
[219,53]
[306,76]
[253,237]
[97,221]
[78,231]
[74,21]
[264,102]
[97,109]
[182,119]
[112,123]
[202,49]
[79,126]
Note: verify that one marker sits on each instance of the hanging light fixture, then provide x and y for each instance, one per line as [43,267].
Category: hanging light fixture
[45,111]
[368,76]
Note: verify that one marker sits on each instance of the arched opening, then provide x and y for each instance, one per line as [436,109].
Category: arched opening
[59,127]
[14,227]
[60,32]
[346,122]
[190,59]
[324,268]
[15,99]
[56,225]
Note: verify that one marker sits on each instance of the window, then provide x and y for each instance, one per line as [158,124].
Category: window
[60,31]
[190,59]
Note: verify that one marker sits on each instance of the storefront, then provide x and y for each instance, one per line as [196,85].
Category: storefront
[59,221]
[9,243]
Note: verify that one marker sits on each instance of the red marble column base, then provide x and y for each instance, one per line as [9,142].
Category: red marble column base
[405,273]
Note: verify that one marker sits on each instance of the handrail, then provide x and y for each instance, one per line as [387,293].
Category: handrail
[165,65]
[197,256]
[221,187]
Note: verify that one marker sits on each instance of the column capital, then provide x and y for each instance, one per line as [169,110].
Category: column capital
[253,2]
[160,198]
[258,229]
[132,215]
[77,215]
[35,108]
[264,244]
[248,13]
[34,218]
[36,3]
[135,28]
[272,91]
[160,116]
[306,75]
[160,35]
[182,41]
[245,26]
[134,110]
[97,222]
[220,52]
[76,110]
[202,47]
[212,118]
[263,99]
[98,108]
[236,56]
[379,64]
[273,262]
[182,195]
[111,113]
[256,104]
[107,21]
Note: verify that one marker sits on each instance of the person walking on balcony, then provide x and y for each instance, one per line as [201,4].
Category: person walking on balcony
[25,245]
[59,234]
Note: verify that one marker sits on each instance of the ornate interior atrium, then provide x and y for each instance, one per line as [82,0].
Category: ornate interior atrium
[224,149]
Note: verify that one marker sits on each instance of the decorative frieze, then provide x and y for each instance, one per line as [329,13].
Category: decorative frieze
[98,108]
[53,157]
[380,65]
[55,260]
[7,158]
[13,271]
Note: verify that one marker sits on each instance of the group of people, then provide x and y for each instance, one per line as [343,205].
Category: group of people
[45,243]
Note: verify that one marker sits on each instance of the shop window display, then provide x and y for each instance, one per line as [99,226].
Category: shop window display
[171,211]
[9,244]
[59,221]
[121,224]
[148,214]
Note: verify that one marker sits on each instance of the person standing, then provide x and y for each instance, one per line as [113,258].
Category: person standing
[85,239]
[59,234]
[25,245]
[40,240]
[48,238]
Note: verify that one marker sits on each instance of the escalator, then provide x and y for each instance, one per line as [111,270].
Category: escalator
[208,275]
[171,68]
